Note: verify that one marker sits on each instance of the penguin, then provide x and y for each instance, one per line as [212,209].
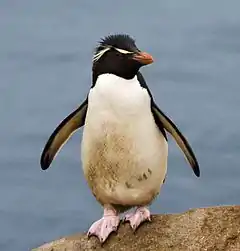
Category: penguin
[124,148]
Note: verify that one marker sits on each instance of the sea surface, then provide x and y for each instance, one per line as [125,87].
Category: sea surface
[45,72]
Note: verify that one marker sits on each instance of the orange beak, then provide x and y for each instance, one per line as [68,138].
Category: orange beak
[143,57]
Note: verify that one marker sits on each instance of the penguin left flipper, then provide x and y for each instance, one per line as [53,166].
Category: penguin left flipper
[62,133]
[163,122]
[177,135]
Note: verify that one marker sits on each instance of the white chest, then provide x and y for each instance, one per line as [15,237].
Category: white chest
[119,120]
[121,142]
[114,97]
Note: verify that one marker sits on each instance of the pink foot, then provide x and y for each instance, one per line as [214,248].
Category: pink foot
[103,227]
[136,218]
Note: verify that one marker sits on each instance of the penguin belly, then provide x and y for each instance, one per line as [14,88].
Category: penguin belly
[124,154]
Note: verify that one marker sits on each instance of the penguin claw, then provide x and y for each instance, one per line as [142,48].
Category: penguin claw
[104,227]
[141,215]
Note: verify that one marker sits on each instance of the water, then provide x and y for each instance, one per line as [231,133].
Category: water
[45,63]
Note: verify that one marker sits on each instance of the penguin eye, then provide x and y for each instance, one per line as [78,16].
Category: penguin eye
[123,51]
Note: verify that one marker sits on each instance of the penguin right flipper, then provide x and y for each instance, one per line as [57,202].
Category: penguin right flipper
[179,138]
[62,133]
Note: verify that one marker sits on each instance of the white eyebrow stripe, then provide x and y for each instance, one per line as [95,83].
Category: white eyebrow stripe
[123,51]
[100,53]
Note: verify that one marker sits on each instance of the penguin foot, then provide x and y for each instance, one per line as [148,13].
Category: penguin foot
[136,218]
[105,226]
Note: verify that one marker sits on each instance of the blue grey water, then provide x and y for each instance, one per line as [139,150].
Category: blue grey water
[45,72]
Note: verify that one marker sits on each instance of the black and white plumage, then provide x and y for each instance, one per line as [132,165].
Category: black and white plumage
[124,146]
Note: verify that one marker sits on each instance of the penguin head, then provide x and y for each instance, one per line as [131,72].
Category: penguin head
[119,55]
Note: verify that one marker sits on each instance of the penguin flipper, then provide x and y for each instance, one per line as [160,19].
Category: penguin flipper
[179,138]
[62,133]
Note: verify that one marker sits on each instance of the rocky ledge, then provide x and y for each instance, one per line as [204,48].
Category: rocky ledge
[210,229]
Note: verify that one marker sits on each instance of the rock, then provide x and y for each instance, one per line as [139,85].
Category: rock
[216,228]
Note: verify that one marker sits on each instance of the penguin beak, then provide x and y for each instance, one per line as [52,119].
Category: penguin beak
[143,57]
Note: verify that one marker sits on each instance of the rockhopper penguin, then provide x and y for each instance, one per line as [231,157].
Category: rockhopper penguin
[124,146]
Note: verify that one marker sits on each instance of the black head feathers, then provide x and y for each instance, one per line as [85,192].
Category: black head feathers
[121,41]
[118,54]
